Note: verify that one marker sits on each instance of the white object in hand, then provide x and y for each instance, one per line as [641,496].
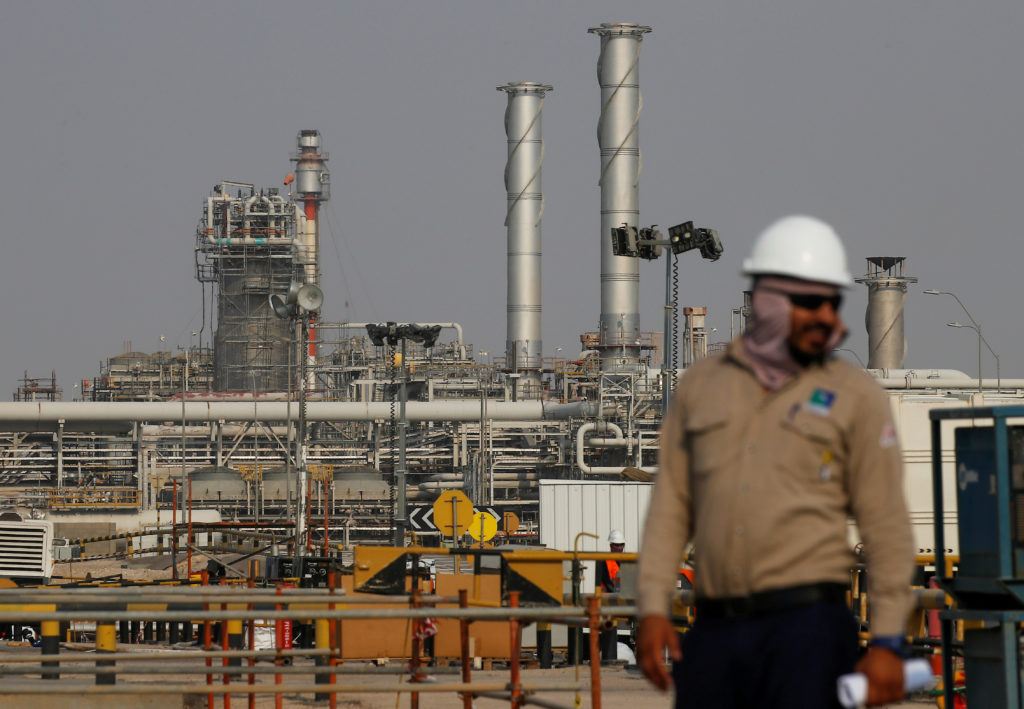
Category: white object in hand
[853,688]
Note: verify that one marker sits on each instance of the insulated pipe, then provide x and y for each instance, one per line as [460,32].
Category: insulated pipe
[913,382]
[452,477]
[601,426]
[617,138]
[521,484]
[46,415]
[525,207]
[930,374]
[250,240]
[247,212]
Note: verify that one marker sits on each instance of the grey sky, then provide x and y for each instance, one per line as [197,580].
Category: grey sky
[897,121]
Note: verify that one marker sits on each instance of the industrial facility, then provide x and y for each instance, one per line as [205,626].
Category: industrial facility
[276,412]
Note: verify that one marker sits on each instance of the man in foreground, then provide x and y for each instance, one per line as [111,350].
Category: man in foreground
[766,451]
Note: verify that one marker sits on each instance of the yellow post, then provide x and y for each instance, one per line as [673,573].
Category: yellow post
[323,642]
[51,646]
[235,639]
[106,641]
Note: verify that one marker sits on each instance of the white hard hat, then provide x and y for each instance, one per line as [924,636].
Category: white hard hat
[801,247]
[616,537]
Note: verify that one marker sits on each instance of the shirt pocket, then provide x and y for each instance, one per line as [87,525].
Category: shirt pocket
[812,449]
[709,440]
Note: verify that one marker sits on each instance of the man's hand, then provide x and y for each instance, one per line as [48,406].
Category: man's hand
[653,635]
[884,670]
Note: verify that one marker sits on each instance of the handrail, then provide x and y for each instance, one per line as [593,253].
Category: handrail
[208,604]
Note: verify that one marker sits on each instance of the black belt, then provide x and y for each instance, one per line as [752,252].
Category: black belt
[765,602]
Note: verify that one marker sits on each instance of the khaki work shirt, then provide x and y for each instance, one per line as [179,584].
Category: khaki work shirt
[764,482]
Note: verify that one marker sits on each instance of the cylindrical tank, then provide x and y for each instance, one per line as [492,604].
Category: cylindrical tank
[887,345]
[278,484]
[213,484]
[618,139]
[525,205]
[887,295]
[362,482]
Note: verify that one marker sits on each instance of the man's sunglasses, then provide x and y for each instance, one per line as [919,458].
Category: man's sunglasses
[809,301]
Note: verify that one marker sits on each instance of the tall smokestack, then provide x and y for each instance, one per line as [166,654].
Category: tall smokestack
[523,344]
[312,186]
[617,136]
[887,294]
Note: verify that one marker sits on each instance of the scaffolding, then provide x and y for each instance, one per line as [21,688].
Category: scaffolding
[38,388]
[246,246]
[140,376]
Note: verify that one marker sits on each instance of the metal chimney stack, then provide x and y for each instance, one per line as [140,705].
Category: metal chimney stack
[523,344]
[617,136]
[887,294]
[313,186]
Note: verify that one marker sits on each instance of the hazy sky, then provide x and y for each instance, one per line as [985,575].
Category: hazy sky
[898,121]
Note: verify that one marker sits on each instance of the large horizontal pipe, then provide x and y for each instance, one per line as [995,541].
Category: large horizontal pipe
[520,484]
[938,379]
[458,477]
[46,416]
[915,382]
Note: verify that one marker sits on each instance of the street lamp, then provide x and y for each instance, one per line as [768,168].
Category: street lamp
[391,334]
[999,381]
[855,355]
[976,327]
[647,244]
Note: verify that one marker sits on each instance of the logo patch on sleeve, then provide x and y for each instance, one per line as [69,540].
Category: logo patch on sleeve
[821,401]
[887,439]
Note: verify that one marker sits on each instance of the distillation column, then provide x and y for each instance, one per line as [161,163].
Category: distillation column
[618,138]
[523,344]
[312,186]
[887,294]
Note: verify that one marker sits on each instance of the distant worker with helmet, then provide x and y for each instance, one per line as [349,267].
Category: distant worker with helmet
[608,570]
[766,451]
[609,582]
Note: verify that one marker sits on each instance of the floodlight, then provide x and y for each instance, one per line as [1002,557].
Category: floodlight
[710,245]
[377,333]
[309,297]
[624,240]
[646,249]
[280,307]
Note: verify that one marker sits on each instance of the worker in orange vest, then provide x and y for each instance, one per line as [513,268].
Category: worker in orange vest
[609,581]
[608,570]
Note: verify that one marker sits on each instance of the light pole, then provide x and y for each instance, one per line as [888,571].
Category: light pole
[999,382]
[647,244]
[300,305]
[976,326]
[855,355]
[392,334]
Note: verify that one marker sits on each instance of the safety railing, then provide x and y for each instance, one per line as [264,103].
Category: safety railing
[221,614]
[100,497]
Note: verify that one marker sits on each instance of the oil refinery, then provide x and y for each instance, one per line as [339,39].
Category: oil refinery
[287,433]
[282,413]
